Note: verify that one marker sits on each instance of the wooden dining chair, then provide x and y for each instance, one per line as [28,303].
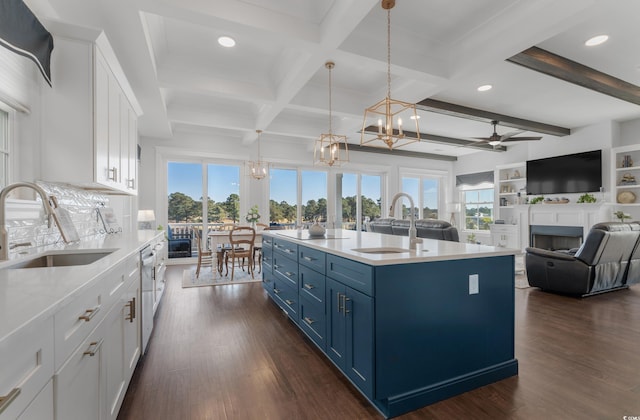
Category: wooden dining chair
[205,256]
[257,249]
[241,248]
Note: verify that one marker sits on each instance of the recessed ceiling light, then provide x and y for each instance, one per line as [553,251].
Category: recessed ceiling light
[484,88]
[413,117]
[226,41]
[596,40]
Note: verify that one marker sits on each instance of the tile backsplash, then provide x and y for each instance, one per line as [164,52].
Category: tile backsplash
[27,224]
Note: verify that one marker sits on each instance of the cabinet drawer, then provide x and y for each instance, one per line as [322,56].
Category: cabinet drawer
[311,284]
[286,297]
[267,281]
[313,321]
[267,242]
[286,269]
[351,273]
[27,366]
[286,248]
[75,321]
[312,258]
[118,279]
[267,259]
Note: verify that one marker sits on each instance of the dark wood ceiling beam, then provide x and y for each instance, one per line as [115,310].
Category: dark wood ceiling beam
[398,152]
[570,71]
[460,111]
[449,141]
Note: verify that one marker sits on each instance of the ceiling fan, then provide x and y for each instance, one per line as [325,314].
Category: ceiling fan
[497,139]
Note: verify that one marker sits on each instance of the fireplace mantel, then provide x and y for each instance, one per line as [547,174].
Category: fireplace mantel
[570,214]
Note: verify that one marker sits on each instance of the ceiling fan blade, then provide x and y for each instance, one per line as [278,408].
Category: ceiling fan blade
[510,134]
[520,139]
[482,138]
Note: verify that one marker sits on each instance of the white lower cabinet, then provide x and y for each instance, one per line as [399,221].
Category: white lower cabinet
[506,236]
[27,365]
[92,382]
[79,384]
[41,406]
[121,347]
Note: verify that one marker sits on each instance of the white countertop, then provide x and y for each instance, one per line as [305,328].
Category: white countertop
[35,293]
[343,242]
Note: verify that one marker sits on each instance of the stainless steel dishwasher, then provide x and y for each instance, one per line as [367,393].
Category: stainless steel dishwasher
[147,264]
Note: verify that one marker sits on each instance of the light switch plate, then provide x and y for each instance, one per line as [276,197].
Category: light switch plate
[474,286]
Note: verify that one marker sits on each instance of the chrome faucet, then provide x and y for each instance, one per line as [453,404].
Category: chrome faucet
[413,239]
[4,240]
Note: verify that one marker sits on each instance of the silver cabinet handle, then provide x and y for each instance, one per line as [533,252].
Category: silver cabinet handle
[339,296]
[114,172]
[89,314]
[132,310]
[344,305]
[308,320]
[289,302]
[309,286]
[94,346]
[6,400]
[289,274]
[276,291]
[308,258]
[276,266]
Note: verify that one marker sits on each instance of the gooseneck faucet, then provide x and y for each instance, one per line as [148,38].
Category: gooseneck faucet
[4,240]
[413,239]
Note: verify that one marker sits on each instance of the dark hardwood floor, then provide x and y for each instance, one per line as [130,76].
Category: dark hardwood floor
[227,352]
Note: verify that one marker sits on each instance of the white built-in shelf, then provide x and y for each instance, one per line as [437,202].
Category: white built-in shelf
[630,168]
[509,193]
[516,179]
[625,187]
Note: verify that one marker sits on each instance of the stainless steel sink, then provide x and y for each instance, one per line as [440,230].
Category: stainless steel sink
[381,250]
[62,259]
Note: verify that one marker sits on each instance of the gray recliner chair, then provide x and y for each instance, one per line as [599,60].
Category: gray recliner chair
[599,265]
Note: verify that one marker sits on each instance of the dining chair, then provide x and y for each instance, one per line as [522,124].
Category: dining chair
[257,248]
[205,256]
[241,239]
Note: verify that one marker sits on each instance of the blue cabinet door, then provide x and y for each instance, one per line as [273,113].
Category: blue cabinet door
[359,342]
[350,333]
[336,325]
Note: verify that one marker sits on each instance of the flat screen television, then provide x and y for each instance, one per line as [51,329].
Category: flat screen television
[575,173]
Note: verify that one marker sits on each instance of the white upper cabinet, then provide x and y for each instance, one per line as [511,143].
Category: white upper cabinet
[89,128]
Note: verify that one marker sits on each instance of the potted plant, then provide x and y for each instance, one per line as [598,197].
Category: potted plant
[621,215]
[253,216]
[586,198]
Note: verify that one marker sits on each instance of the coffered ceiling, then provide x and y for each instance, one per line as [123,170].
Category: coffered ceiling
[274,79]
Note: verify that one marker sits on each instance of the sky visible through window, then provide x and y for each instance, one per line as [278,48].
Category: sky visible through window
[187,179]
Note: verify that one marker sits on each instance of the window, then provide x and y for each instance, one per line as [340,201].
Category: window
[283,187]
[314,196]
[425,191]
[360,200]
[478,208]
[223,204]
[4,148]
[289,205]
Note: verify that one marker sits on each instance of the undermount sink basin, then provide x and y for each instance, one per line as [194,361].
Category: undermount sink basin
[62,259]
[382,250]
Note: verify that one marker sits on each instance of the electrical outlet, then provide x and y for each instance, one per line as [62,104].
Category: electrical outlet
[474,284]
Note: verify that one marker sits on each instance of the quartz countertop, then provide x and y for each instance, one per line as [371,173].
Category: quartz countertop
[29,294]
[344,243]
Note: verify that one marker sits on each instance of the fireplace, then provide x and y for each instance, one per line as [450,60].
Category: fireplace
[555,237]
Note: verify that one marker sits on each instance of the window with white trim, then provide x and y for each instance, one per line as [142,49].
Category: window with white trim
[478,208]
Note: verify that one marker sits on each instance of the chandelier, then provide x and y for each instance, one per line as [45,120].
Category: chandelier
[383,121]
[330,149]
[258,169]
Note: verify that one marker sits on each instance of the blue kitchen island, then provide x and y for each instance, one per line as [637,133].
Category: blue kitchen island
[407,327]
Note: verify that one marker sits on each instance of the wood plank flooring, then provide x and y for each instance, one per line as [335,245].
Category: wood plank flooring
[227,352]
